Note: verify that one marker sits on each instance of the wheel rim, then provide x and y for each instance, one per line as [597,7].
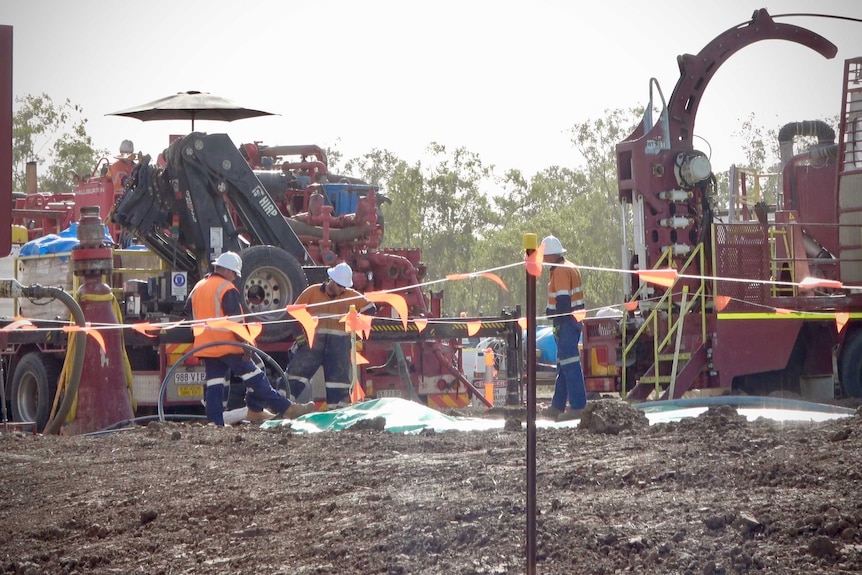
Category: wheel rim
[267,289]
[28,397]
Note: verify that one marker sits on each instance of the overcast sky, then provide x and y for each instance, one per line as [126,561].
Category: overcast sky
[504,79]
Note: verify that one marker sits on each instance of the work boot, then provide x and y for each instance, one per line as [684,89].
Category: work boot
[298,410]
[551,412]
[234,416]
[259,416]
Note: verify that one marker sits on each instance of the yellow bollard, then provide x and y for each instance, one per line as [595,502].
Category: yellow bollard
[489,375]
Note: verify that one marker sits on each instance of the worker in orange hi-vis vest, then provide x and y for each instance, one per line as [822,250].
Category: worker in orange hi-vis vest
[565,295]
[214,297]
[329,301]
[120,170]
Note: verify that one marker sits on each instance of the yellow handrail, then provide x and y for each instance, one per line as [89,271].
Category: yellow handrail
[674,324]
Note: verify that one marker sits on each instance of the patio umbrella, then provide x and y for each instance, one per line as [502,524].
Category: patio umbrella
[190,105]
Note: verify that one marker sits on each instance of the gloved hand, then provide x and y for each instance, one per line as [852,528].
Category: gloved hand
[301,340]
[246,355]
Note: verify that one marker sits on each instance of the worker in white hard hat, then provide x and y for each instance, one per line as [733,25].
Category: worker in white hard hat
[121,169]
[216,296]
[565,295]
[329,301]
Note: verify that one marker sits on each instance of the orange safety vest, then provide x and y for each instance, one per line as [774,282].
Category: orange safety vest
[565,280]
[331,310]
[119,171]
[206,304]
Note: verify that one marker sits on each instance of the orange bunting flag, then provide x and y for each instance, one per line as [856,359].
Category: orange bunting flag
[89,330]
[496,279]
[841,319]
[239,329]
[365,324]
[357,394]
[305,319]
[579,314]
[98,337]
[142,328]
[19,323]
[522,321]
[631,305]
[721,302]
[421,324]
[360,359]
[487,275]
[355,322]
[398,303]
[535,260]
[254,329]
[663,277]
[812,283]
[349,320]
[473,327]
[782,311]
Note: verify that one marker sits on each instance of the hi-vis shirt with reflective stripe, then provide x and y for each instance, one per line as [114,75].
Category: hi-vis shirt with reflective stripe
[206,304]
[331,310]
[565,292]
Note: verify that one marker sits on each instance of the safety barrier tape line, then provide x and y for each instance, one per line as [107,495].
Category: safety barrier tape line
[157,327]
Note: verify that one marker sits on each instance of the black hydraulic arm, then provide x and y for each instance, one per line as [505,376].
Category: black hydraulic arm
[218,166]
[182,212]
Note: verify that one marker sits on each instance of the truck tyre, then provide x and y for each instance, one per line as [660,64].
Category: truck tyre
[271,279]
[34,385]
[851,367]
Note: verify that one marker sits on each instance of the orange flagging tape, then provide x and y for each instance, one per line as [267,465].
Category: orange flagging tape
[305,319]
[663,277]
[398,303]
[841,319]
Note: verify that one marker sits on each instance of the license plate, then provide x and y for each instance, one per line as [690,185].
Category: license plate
[190,391]
[388,393]
[189,377]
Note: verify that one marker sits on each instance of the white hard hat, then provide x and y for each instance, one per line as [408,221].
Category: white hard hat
[230,261]
[553,247]
[127,147]
[341,274]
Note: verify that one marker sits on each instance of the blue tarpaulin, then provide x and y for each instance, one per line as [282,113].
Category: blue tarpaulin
[56,243]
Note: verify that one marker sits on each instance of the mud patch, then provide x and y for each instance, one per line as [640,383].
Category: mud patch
[612,417]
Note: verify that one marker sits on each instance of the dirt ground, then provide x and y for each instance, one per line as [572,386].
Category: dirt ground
[706,496]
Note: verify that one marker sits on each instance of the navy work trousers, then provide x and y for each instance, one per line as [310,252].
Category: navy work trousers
[569,384]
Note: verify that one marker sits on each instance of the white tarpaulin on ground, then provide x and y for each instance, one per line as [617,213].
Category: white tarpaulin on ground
[403,416]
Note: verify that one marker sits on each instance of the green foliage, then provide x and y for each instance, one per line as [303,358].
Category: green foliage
[601,226]
[465,218]
[39,122]
[438,208]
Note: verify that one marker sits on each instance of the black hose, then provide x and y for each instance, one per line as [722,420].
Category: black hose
[80,340]
[122,425]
